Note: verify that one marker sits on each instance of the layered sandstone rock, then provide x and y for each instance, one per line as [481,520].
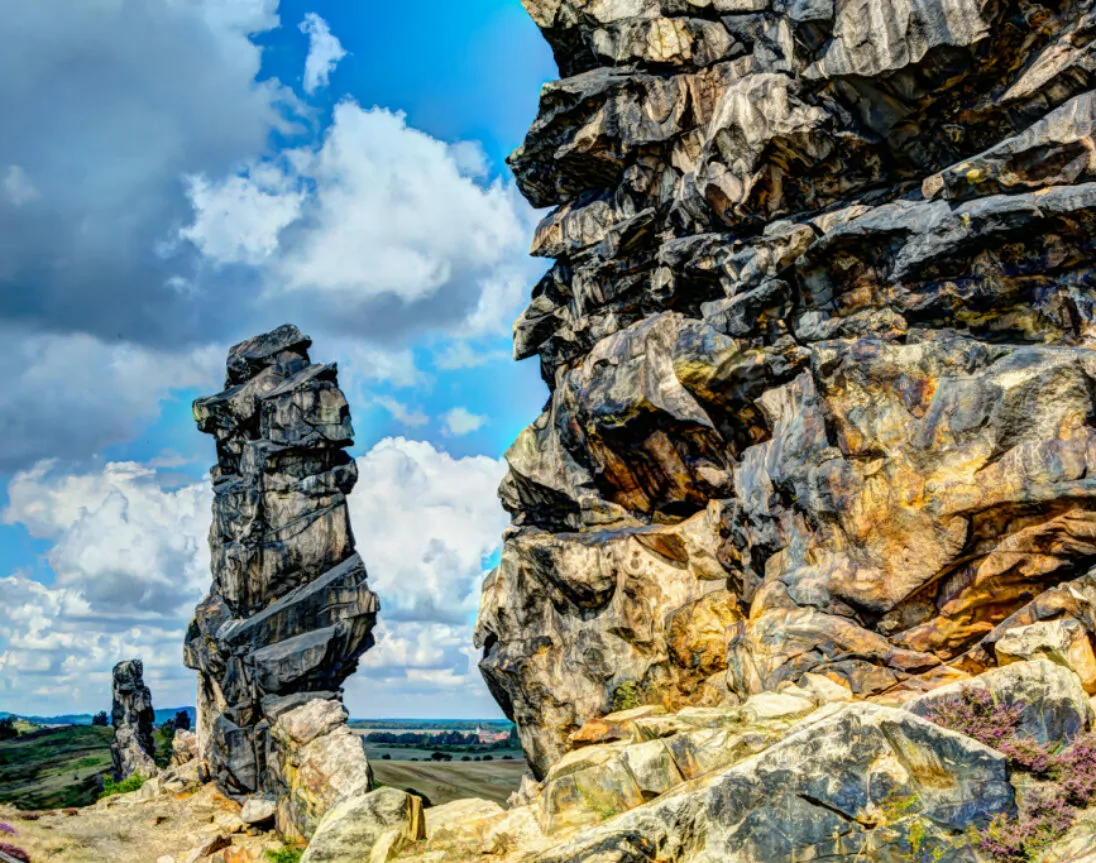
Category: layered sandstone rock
[290,611]
[132,716]
[819,334]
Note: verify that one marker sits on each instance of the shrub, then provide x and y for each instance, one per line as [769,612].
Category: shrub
[975,713]
[6,829]
[1046,814]
[17,853]
[8,731]
[285,855]
[132,783]
[101,719]
[626,696]
[1043,818]
[1076,771]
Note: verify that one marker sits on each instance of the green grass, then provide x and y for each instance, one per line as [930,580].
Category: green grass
[55,768]
[285,855]
[130,783]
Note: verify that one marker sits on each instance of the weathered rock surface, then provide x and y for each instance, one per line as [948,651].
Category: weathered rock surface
[786,776]
[367,829]
[820,334]
[133,716]
[184,747]
[1055,708]
[290,611]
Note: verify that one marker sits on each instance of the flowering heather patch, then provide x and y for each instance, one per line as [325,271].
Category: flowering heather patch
[6,829]
[1075,771]
[17,853]
[1044,817]
[975,713]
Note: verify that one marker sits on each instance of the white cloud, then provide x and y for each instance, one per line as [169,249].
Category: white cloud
[425,523]
[131,560]
[461,354]
[324,52]
[18,187]
[409,416]
[69,395]
[461,421]
[387,212]
[238,219]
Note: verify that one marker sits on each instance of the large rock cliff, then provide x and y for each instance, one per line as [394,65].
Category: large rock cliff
[290,611]
[819,336]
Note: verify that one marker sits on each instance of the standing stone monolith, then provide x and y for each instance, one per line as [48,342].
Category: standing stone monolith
[290,611]
[133,717]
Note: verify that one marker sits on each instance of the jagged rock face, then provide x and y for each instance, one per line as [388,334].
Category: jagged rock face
[290,611]
[821,301]
[132,716]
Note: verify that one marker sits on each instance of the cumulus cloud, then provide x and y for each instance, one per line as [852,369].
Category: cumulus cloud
[461,421]
[130,559]
[390,229]
[425,523]
[18,187]
[324,52]
[106,106]
[68,395]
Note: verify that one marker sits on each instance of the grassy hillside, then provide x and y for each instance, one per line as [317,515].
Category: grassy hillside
[54,767]
[443,783]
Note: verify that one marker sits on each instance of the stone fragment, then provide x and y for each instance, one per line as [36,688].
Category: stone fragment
[259,811]
[366,829]
[184,747]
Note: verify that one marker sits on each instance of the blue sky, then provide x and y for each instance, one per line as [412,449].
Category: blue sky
[178,176]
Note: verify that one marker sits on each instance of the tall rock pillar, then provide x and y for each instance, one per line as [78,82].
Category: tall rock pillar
[133,717]
[290,611]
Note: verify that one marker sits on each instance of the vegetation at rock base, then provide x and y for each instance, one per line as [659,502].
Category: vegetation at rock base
[1045,813]
[285,855]
[55,767]
[626,696]
[15,851]
[130,783]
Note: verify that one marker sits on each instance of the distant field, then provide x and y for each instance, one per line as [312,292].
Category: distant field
[376,751]
[443,783]
[54,767]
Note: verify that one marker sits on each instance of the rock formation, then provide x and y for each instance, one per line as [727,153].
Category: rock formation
[290,611]
[133,717]
[819,335]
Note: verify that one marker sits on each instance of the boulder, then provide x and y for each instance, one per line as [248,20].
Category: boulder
[1055,707]
[184,747]
[366,829]
[860,781]
[1064,641]
[258,811]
